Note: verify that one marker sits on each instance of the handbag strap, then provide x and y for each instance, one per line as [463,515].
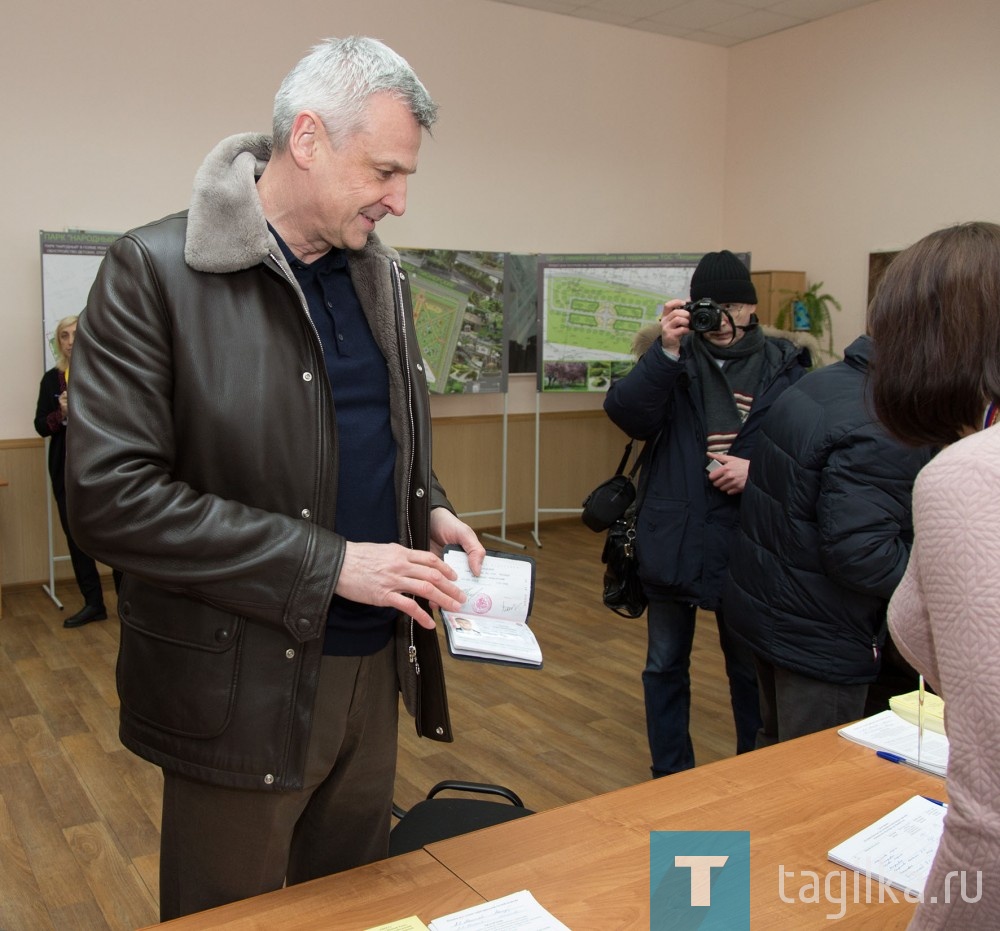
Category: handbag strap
[625,455]
[640,460]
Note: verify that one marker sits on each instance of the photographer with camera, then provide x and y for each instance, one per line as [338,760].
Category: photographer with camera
[706,374]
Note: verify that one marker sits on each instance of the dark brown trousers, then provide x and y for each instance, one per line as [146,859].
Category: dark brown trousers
[220,845]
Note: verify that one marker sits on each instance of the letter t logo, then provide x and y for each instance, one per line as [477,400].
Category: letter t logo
[701,876]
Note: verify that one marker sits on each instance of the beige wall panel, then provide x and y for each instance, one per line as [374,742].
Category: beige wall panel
[23,536]
[578,450]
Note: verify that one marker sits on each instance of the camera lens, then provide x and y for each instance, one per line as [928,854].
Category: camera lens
[706,316]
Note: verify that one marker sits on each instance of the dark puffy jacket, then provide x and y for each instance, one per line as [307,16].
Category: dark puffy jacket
[685,524]
[200,463]
[825,528]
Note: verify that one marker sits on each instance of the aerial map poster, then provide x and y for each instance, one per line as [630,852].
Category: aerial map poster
[458,311]
[591,307]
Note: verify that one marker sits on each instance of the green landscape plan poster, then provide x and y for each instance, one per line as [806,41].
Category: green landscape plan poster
[591,307]
[458,311]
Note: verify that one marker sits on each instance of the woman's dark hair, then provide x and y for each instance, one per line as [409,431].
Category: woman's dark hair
[935,322]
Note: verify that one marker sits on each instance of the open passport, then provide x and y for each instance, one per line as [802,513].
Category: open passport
[492,624]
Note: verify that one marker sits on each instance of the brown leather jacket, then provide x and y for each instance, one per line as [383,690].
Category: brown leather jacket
[202,447]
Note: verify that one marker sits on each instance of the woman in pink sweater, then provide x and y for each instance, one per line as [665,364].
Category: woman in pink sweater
[935,322]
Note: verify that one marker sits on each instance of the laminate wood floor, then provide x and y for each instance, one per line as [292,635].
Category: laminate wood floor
[80,815]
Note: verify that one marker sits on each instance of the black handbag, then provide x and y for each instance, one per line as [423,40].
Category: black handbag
[623,592]
[609,501]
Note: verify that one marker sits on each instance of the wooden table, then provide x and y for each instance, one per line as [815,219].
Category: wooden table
[588,862]
[411,884]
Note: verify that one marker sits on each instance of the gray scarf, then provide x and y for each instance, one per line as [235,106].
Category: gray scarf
[728,391]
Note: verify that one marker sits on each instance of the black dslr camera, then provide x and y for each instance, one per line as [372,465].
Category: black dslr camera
[706,315]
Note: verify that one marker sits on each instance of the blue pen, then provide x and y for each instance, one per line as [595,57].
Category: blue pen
[891,757]
[896,758]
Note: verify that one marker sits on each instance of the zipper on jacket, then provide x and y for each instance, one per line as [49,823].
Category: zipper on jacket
[397,287]
[411,650]
[405,345]
[874,649]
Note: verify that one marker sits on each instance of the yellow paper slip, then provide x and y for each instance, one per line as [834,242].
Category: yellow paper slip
[908,708]
[403,924]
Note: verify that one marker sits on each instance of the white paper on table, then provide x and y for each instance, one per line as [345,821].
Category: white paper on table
[888,732]
[899,848]
[517,912]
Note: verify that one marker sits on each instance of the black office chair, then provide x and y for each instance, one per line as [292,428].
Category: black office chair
[434,819]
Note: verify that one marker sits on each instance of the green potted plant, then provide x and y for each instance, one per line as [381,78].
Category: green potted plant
[809,310]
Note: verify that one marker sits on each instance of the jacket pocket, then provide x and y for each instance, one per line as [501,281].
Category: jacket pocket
[178,661]
[667,556]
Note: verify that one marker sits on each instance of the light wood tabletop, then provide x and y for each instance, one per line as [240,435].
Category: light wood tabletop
[411,884]
[588,862]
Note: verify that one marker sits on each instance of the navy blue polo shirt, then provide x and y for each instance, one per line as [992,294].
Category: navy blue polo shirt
[366,491]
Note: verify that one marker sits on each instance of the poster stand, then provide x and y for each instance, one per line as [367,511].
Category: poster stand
[538,458]
[50,589]
[502,510]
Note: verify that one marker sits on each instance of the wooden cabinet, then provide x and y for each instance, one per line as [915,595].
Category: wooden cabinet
[773,289]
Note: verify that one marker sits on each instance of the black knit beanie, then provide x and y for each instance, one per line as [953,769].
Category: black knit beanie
[724,278]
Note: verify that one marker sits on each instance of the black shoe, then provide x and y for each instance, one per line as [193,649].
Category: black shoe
[85,615]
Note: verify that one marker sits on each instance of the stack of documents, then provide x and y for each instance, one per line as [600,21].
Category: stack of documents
[908,708]
[890,734]
[899,848]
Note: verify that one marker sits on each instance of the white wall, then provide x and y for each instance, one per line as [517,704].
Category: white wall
[862,133]
[554,135]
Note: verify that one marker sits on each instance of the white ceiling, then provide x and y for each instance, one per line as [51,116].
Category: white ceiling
[716,22]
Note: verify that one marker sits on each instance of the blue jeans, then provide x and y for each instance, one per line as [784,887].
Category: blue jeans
[666,682]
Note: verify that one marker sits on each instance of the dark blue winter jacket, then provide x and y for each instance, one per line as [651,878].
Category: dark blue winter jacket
[826,528]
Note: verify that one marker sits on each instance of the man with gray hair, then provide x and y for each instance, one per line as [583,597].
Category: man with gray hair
[251,445]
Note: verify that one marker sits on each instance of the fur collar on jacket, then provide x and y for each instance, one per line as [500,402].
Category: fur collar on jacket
[650,334]
[227,231]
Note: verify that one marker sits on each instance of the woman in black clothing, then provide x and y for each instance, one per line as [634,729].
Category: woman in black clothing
[51,416]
